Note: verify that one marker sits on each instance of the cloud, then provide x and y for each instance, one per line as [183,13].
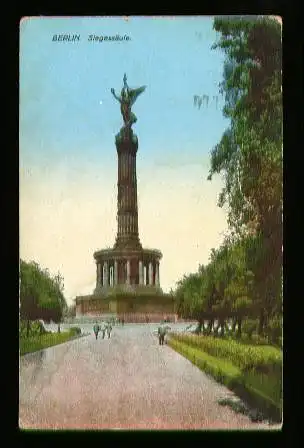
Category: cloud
[65,219]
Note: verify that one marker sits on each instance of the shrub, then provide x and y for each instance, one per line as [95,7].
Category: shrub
[75,330]
[249,327]
[22,328]
[274,329]
[259,340]
[36,328]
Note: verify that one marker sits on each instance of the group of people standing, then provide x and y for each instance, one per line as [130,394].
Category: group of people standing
[104,328]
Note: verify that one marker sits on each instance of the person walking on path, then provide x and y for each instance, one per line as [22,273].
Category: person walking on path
[167,328]
[103,329]
[161,333]
[109,329]
[96,329]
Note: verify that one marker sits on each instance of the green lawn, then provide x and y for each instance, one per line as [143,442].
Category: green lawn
[39,342]
[263,390]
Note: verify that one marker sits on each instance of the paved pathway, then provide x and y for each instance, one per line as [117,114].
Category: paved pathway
[126,382]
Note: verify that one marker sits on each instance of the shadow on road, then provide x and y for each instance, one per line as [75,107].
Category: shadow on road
[240,407]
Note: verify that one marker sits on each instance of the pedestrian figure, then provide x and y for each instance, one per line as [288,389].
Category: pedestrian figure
[161,333]
[122,321]
[109,329]
[103,330]
[167,328]
[96,329]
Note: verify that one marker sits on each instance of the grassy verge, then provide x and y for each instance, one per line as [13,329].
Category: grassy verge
[261,391]
[264,358]
[39,342]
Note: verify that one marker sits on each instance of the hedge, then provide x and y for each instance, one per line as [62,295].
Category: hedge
[266,359]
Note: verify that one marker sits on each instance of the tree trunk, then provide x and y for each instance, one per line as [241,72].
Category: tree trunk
[58,328]
[200,324]
[204,327]
[216,329]
[233,325]
[28,328]
[222,324]
[210,325]
[261,322]
[239,330]
[226,327]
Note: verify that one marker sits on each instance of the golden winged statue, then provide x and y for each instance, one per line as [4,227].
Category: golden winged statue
[126,99]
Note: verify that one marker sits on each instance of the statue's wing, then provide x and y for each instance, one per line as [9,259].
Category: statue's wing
[134,93]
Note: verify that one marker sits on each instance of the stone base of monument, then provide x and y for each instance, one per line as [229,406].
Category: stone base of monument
[140,306]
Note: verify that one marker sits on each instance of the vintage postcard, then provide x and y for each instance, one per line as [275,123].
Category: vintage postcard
[150,223]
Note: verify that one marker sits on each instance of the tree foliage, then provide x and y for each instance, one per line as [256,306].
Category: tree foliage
[41,294]
[245,273]
[250,151]
[70,311]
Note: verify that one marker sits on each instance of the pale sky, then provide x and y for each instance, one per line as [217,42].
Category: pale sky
[68,160]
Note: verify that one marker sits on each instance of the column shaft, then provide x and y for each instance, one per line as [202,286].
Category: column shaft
[101,274]
[140,272]
[115,273]
[157,274]
[150,273]
[145,272]
[128,272]
[106,274]
[98,274]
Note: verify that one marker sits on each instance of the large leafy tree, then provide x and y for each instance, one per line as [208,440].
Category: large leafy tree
[250,151]
[41,295]
[28,293]
[229,283]
[244,276]
[188,294]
